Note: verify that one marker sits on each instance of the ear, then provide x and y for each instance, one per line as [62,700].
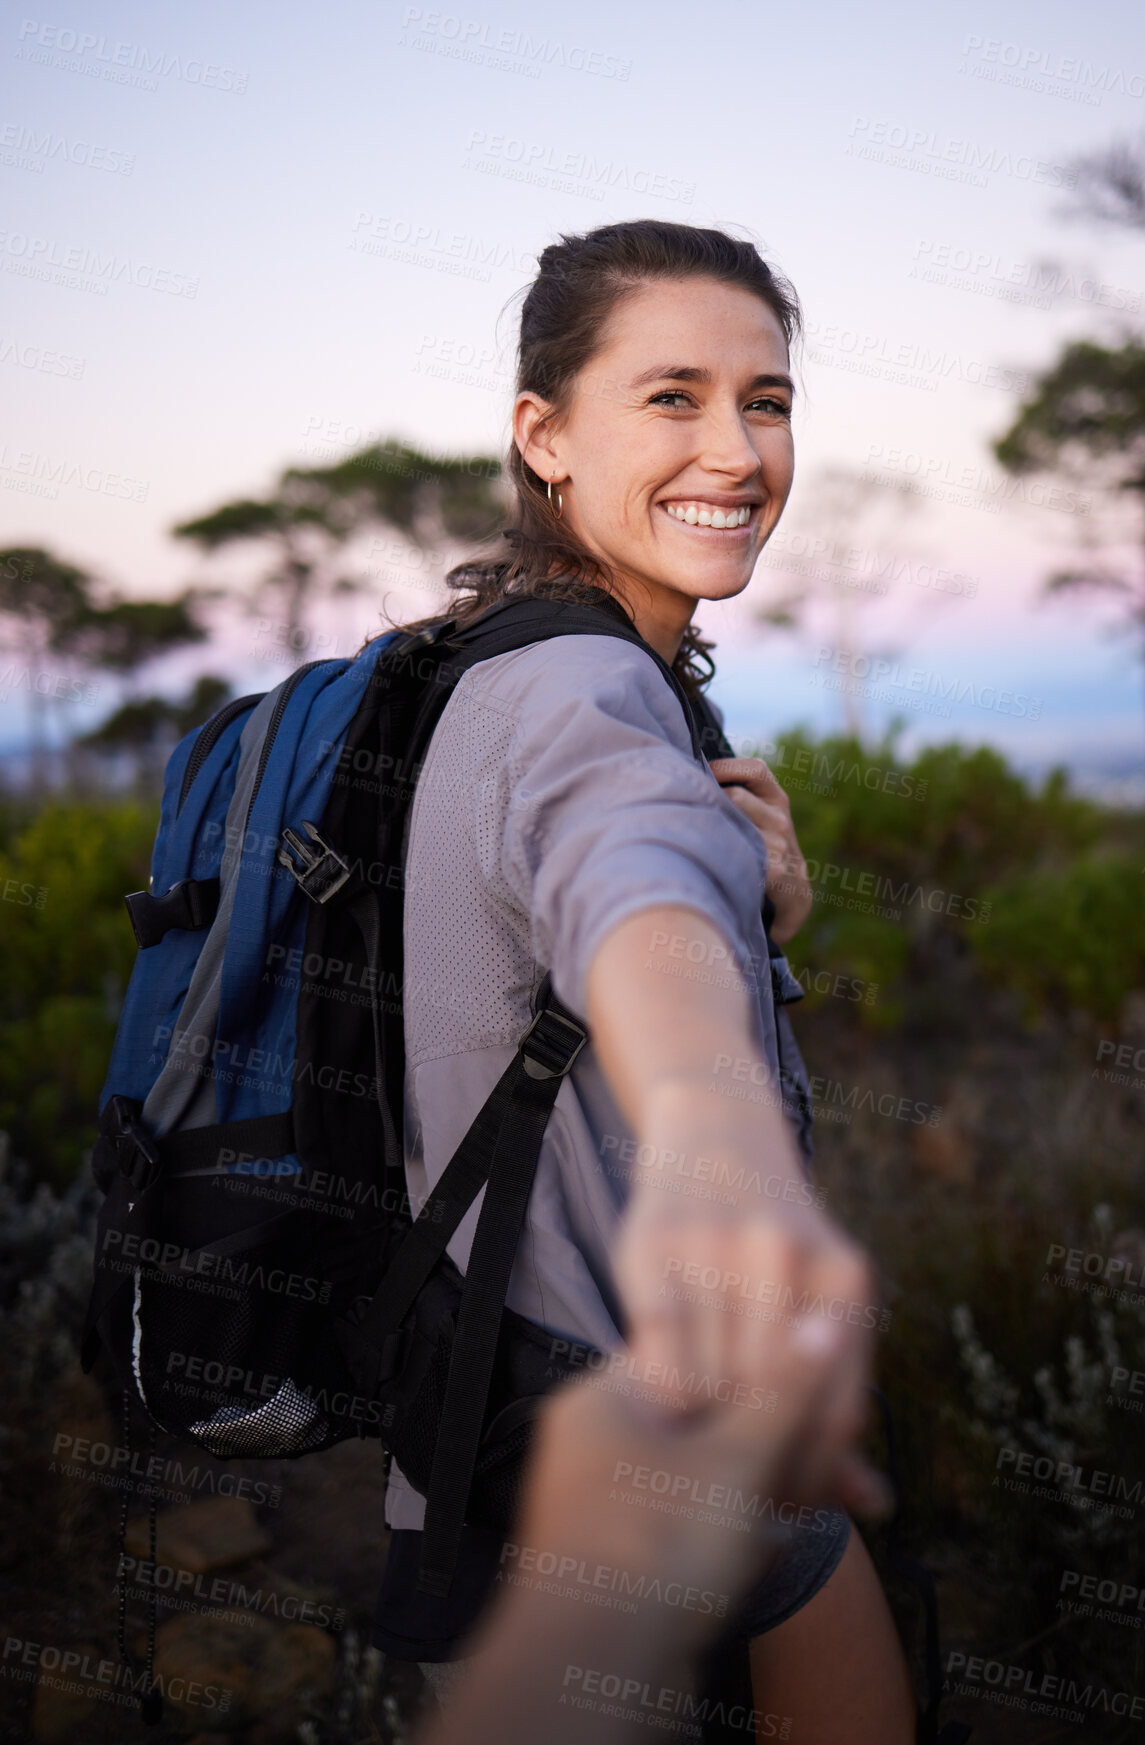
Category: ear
[533,432]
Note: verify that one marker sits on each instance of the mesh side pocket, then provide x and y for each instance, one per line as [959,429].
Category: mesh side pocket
[228,1345]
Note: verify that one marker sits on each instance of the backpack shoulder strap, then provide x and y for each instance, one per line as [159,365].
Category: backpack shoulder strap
[518,623]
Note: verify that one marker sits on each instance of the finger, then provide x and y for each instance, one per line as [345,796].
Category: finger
[657,1322]
[838,1414]
[769,820]
[714,1335]
[752,773]
[862,1489]
[768,1433]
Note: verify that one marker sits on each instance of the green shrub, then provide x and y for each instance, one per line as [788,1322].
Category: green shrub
[68,953]
[1040,889]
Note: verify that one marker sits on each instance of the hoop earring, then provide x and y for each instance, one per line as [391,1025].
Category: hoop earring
[560,508]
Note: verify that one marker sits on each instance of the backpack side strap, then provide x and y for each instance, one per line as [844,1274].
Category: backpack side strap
[544,1055]
[500,1152]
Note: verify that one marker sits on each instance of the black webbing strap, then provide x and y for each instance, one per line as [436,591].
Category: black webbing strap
[511,1171]
[519,621]
[499,1151]
[552,1039]
[457,1188]
[128,1146]
[260,1136]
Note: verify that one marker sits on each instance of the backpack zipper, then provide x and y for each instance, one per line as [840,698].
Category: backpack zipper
[208,736]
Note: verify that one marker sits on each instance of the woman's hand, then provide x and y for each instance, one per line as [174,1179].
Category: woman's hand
[750,785]
[597,1446]
[720,1297]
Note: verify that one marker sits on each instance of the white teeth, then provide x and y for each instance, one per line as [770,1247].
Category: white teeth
[710,517]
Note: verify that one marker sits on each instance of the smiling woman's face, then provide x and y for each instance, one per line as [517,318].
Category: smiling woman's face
[674,459]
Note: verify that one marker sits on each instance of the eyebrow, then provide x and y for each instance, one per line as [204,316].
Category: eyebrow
[689,373]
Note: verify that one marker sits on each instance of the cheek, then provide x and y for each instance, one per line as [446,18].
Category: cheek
[610,488]
[627,504]
[779,463]
[778,472]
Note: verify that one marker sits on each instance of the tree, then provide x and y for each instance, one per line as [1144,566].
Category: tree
[849,518]
[1085,421]
[313,513]
[53,609]
[1085,417]
[43,600]
[1110,185]
[147,729]
[128,634]
[48,606]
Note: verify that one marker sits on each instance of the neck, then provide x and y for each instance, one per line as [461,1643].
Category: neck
[660,614]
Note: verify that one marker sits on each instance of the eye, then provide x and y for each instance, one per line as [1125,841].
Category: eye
[676,398]
[774,408]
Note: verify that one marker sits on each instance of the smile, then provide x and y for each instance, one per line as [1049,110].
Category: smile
[708,515]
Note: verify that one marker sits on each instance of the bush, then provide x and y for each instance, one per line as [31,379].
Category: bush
[953,856]
[69,952]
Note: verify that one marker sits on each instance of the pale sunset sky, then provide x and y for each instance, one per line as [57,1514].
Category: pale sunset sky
[236,238]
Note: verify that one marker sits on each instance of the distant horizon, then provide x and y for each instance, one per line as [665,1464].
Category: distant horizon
[1079,704]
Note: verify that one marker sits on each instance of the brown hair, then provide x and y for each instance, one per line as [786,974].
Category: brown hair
[580,283]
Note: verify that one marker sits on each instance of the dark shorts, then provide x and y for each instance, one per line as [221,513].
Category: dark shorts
[414,1626]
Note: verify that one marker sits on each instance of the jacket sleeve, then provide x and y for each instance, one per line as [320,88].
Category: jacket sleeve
[609,814]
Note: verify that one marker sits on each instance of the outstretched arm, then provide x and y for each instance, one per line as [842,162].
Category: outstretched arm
[708,1281]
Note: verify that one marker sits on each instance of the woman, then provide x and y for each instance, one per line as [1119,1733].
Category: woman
[561,822]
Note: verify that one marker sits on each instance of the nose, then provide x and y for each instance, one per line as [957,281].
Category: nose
[726,447]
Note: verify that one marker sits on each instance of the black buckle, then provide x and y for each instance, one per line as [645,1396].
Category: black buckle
[550,1056]
[313,865]
[136,1150]
[191,904]
[786,987]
